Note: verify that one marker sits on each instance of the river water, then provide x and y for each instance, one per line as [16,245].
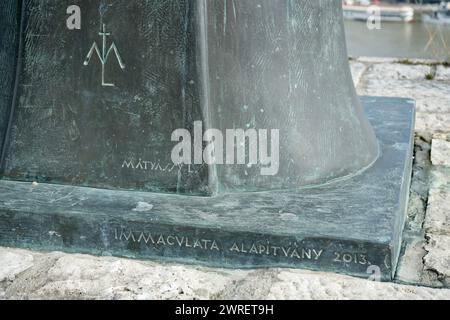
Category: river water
[403,40]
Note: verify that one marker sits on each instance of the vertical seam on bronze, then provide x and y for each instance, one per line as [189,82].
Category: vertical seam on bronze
[19,51]
[205,99]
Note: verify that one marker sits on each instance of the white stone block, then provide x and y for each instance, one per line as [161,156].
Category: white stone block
[440,152]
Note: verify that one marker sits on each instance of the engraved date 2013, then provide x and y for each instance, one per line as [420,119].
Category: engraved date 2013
[348,258]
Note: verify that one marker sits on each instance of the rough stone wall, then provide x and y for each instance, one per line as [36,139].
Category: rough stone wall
[426,259]
[424,271]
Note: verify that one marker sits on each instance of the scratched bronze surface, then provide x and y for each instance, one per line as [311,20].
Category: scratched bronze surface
[97,106]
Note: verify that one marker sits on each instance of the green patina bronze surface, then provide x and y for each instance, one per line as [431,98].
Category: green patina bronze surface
[265,64]
[87,117]
[9,40]
[351,226]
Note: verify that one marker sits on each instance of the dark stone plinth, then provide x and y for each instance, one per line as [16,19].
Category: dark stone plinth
[351,226]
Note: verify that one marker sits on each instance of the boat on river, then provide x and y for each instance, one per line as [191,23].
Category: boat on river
[439,16]
[363,11]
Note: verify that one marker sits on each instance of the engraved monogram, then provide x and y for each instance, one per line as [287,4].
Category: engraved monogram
[104,55]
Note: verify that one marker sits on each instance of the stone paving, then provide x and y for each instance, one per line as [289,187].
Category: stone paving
[426,259]
[424,271]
